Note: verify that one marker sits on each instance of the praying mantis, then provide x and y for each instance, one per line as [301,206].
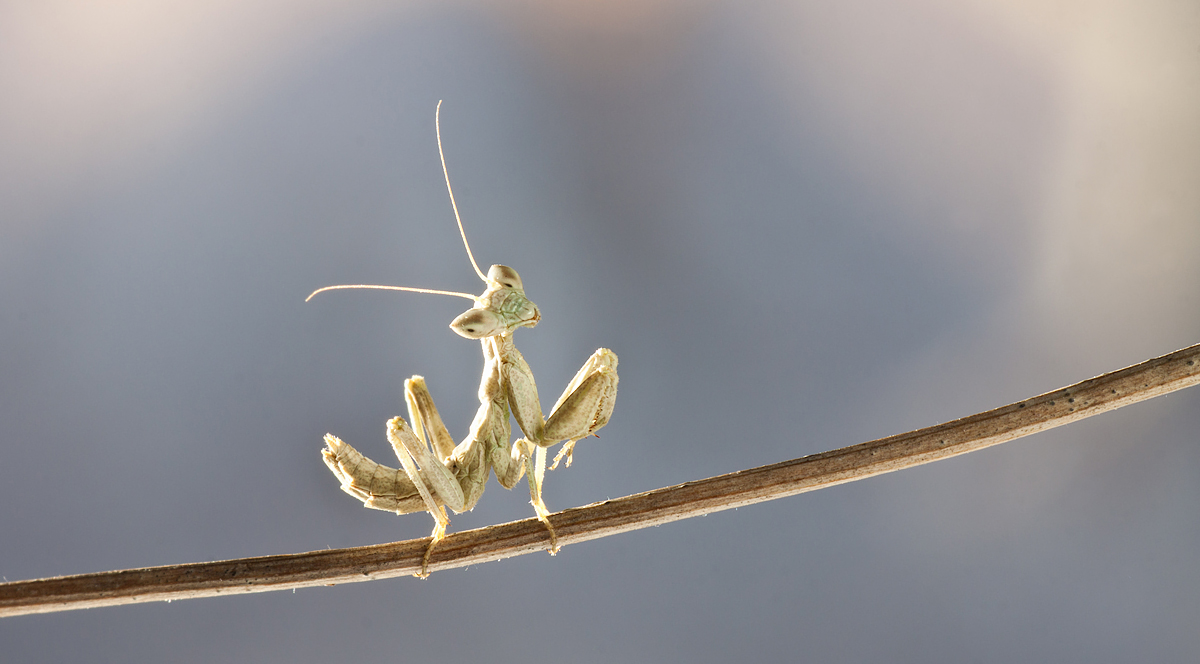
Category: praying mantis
[435,473]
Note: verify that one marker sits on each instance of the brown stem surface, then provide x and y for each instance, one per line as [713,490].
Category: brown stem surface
[316,568]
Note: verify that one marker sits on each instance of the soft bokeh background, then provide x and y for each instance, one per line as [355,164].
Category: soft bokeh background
[801,225]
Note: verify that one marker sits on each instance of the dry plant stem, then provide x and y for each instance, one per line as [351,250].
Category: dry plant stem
[247,575]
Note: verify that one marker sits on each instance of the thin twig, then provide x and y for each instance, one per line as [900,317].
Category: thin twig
[301,570]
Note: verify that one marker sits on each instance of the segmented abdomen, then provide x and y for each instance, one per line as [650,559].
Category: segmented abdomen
[376,485]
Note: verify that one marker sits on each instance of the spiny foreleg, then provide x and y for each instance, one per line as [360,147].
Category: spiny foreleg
[584,407]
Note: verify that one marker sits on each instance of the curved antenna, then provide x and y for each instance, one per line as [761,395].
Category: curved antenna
[437,123]
[399,288]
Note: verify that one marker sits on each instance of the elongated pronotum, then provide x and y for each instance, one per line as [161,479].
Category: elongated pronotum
[317,568]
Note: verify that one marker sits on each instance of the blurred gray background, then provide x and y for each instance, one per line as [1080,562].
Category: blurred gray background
[801,225]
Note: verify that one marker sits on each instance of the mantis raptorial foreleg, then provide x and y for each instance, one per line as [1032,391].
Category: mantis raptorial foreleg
[584,407]
[437,473]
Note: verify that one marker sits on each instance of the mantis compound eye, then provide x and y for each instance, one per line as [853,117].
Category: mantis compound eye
[477,324]
[505,276]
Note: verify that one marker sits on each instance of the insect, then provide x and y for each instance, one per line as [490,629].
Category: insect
[435,472]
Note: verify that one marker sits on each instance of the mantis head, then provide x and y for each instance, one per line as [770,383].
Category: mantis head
[503,306]
[501,309]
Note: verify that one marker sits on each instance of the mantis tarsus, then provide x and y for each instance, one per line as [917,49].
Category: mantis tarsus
[435,472]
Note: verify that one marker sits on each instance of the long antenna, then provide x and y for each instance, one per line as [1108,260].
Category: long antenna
[437,124]
[401,288]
